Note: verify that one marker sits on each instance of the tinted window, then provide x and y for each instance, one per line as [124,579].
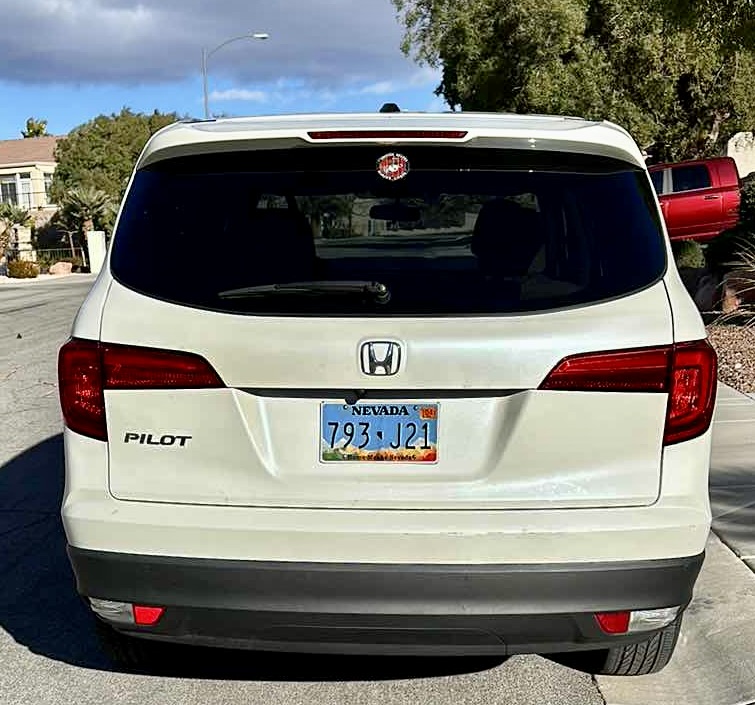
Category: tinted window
[657,179]
[467,231]
[689,178]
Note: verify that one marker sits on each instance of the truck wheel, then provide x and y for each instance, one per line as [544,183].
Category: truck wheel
[649,656]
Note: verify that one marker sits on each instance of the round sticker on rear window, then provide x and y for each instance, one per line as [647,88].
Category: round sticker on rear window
[393,166]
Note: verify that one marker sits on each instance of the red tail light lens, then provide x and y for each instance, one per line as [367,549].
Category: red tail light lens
[692,395]
[126,367]
[614,622]
[686,372]
[643,370]
[87,368]
[147,616]
[388,134]
[80,387]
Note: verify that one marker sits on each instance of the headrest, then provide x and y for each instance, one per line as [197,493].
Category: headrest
[507,237]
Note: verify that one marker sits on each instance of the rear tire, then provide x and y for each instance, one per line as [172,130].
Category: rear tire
[649,656]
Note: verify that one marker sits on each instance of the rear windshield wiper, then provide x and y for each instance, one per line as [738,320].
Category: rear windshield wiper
[379,291]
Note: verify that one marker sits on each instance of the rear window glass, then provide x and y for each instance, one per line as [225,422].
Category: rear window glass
[318,231]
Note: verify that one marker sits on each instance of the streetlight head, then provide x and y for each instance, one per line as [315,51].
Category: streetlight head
[260,35]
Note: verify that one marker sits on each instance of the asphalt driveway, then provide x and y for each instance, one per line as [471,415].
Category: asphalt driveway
[49,655]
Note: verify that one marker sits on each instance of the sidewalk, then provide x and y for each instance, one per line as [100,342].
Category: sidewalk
[732,475]
[42,278]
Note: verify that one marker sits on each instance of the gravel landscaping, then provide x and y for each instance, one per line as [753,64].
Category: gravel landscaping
[735,346]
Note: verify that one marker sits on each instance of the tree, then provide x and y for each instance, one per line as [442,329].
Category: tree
[11,217]
[676,73]
[35,128]
[329,216]
[101,153]
[84,208]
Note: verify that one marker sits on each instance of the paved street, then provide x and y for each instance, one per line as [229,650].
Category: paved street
[48,653]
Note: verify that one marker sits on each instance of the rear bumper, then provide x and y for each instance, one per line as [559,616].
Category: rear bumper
[371,608]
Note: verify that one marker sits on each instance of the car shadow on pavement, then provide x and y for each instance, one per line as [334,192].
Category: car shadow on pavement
[734,519]
[732,485]
[40,609]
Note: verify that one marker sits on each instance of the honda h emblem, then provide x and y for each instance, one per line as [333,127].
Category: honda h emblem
[380,358]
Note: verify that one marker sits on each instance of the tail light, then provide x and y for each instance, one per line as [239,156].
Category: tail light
[692,393]
[86,368]
[126,367]
[80,387]
[388,134]
[644,370]
[685,371]
[126,612]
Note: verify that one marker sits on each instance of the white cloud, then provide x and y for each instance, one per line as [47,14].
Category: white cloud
[327,45]
[379,88]
[422,77]
[437,105]
[240,94]
[425,75]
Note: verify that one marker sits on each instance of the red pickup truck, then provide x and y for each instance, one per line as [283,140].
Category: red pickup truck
[700,199]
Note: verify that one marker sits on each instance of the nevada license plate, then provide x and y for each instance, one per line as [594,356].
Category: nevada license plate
[377,432]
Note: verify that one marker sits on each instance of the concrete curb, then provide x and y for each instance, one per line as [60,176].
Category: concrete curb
[42,278]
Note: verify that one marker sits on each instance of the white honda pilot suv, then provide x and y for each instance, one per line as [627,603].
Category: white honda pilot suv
[391,383]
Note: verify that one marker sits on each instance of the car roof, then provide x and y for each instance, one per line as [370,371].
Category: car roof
[536,132]
[690,162]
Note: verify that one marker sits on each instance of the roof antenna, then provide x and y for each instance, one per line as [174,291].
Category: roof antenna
[390,108]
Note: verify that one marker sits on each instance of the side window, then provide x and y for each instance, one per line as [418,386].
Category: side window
[657,179]
[690,178]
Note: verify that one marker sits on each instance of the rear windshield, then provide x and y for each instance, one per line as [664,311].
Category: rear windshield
[375,231]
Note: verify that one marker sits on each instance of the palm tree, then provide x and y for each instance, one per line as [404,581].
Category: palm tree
[85,205]
[35,128]
[11,217]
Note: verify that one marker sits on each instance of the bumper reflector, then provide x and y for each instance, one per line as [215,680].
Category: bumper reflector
[125,612]
[614,622]
[647,620]
[119,612]
[147,616]
[636,620]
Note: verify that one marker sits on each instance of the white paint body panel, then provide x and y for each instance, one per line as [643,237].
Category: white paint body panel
[676,525]
[517,449]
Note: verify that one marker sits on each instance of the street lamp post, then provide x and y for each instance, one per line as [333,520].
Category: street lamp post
[207,54]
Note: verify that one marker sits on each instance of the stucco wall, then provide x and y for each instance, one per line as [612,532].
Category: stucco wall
[742,149]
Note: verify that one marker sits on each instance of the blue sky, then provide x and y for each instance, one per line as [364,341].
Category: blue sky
[69,60]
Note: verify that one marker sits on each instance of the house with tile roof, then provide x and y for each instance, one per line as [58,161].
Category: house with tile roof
[26,169]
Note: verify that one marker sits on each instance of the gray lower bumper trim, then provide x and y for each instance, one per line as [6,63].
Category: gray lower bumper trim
[390,589]
[384,608]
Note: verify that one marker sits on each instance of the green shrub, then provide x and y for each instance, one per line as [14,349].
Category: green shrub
[741,282]
[688,254]
[747,205]
[45,263]
[20,269]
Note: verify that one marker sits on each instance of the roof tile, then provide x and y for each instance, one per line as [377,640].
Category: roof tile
[28,151]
